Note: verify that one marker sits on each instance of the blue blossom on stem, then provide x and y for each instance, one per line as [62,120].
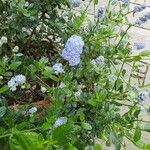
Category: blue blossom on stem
[32,110]
[62,85]
[60,121]
[139,45]
[73,49]
[16,81]
[58,68]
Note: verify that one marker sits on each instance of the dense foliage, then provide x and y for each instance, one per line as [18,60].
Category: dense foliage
[51,51]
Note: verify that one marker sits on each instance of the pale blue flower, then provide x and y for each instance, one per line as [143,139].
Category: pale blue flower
[16,81]
[75,3]
[12,84]
[60,121]
[74,61]
[32,110]
[73,49]
[20,79]
[139,45]
[58,68]
[62,85]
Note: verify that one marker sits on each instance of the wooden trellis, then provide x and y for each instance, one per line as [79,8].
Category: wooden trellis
[141,73]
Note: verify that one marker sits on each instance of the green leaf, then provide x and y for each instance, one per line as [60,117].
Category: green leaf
[54,78]
[147,147]
[24,141]
[95,2]
[137,134]
[119,85]
[101,95]
[145,127]
[62,134]
[97,147]
[4,89]
[48,71]
[2,111]
[136,58]
[145,53]
[82,116]
[115,140]
[92,102]
[14,65]
[71,147]
[123,72]
[86,126]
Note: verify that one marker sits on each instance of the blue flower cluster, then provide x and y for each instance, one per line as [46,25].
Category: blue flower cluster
[16,81]
[143,19]
[60,121]
[73,49]
[139,8]
[75,3]
[100,13]
[139,45]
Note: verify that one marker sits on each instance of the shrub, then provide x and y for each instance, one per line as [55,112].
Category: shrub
[51,50]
